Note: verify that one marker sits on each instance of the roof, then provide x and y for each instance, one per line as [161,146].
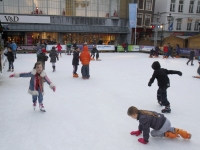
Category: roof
[68,28]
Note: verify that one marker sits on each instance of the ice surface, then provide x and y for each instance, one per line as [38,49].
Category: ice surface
[92,114]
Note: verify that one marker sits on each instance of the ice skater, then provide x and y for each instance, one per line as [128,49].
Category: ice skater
[191,58]
[161,75]
[75,61]
[11,58]
[198,70]
[158,122]
[36,87]
[53,55]
[152,53]
[59,47]
[94,49]
[170,51]
[42,57]
[85,60]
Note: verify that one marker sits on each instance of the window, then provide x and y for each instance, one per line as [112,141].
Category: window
[172,5]
[25,7]
[189,24]
[103,8]
[191,6]
[196,25]
[115,5]
[11,6]
[180,7]
[148,4]
[140,4]
[139,19]
[147,20]
[92,8]
[178,25]
[198,7]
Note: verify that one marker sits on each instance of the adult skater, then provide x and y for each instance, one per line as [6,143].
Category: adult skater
[170,51]
[85,60]
[36,87]
[191,57]
[42,57]
[97,55]
[14,48]
[53,55]
[158,122]
[94,49]
[11,59]
[75,62]
[163,82]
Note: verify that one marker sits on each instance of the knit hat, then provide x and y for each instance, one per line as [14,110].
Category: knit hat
[43,50]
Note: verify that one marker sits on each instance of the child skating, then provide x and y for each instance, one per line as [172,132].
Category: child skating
[53,55]
[158,122]
[93,52]
[59,47]
[161,75]
[191,57]
[75,62]
[198,70]
[85,60]
[36,87]
[11,59]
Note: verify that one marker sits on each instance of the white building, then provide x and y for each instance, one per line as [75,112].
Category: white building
[186,17]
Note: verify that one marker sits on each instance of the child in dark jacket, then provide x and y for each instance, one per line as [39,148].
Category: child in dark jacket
[94,49]
[75,62]
[53,55]
[163,82]
[160,124]
[42,57]
[36,87]
[11,59]
[191,57]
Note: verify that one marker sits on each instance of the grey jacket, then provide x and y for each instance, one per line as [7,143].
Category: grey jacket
[146,122]
[53,55]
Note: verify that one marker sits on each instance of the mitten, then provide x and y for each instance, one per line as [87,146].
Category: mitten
[141,140]
[137,133]
[54,88]
[149,84]
[12,75]
[180,73]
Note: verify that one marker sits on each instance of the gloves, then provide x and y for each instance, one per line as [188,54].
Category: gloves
[149,84]
[54,88]
[12,75]
[180,73]
[137,133]
[141,140]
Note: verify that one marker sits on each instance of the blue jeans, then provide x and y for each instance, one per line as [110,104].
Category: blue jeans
[11,65]
[40,96]
[85,70]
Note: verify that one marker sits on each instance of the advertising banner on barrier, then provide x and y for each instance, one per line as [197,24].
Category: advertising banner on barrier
[105,47]
[120,48]
[146,48]
[49,47]
[186,51]
[133,48]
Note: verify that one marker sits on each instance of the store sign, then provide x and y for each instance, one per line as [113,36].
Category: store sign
[105,47]
[24,19]
[146,48]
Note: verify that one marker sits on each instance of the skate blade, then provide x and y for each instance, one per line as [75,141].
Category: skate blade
[42,110]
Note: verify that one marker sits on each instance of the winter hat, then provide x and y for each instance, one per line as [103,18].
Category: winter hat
[53,47]
[43,50]
[156,65]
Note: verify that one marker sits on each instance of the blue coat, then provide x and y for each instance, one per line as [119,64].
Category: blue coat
[32,86]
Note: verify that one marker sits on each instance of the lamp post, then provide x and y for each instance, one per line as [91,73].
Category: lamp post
[161,37]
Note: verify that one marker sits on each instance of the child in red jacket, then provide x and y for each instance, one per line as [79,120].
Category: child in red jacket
[165,49]
[59,47]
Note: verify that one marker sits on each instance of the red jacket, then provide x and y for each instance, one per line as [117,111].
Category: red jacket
[165,49]
[59,47]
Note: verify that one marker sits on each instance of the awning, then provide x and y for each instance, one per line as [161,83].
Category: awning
[67,28]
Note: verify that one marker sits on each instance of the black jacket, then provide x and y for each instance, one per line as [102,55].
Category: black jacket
[146,122]
[53,55]
[162,75]
[42,57]
[10,56]
[192,53]
[94,50]
[75,60]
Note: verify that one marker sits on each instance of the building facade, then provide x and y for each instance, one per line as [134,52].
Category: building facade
[63,20]
[185,14]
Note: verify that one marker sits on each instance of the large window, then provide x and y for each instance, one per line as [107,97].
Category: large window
[40,7]
[115,8]
[189,24]
[198,6]
[180,7]
[139,19]
[147,20]
[148,4]
[196,25]
[178,25]
[103,8]
[191,6]
[53,7]
[25,7]
[172,5]
[140,4]
[1,6]
[92,8]
[11,6]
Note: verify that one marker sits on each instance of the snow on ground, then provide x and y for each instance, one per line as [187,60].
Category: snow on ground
[92,114]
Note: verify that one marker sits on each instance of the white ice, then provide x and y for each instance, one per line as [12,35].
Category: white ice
[92,114]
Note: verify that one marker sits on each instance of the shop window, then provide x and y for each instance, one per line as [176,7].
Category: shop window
[148,4]
[172,5]
[198,7]
[191,6]
[147,20]
[180,7]
[178,25]
[139,19]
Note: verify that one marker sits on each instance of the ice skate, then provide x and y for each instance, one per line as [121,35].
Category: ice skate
[184,134]
[171,135]
[160,103]
[12,70]
[8,70]
[41,106]
[75,75]
[34,105]
[92,59]
[166,110]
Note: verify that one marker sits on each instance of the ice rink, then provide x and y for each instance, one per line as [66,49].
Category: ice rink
[92,114]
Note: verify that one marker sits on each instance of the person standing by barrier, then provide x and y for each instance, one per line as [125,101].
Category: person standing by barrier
[14,48]
[11,59]
[126,46]
[170,51]
[116,44]
[191,57]
[68,46]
